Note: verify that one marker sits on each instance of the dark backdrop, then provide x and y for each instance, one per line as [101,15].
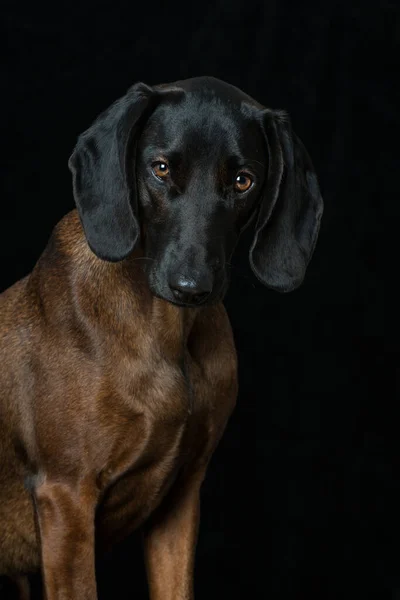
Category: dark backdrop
[302,496]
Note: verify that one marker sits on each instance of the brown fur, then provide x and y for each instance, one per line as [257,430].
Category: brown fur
[111,402]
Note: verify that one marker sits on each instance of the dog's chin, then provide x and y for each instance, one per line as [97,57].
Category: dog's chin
[171,300]
[215,297]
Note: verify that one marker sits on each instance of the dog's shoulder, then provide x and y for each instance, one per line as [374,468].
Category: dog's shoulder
[68,237]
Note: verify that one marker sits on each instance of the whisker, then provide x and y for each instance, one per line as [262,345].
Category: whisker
[143,258]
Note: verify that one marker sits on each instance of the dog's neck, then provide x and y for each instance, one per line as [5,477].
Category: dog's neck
[110,299]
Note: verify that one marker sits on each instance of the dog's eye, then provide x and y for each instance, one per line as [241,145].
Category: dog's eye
[160,169]
[243,182]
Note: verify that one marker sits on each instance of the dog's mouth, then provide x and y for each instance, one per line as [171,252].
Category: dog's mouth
[214,297]
[210,300]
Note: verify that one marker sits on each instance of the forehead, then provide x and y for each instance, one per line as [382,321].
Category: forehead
[203,122]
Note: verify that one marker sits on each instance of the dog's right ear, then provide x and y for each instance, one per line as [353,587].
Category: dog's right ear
[106,201]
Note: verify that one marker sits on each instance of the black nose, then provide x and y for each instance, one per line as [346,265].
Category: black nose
[190,291]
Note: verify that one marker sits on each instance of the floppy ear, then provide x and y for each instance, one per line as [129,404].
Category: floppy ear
[290,211]
[98,164]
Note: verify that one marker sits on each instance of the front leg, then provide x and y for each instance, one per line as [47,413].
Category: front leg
[65,515]
[170,539]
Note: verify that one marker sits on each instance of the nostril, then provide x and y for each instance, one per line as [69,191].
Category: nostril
[179,294]
[200,297]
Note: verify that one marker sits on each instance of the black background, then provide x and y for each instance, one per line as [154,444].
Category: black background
[303,494]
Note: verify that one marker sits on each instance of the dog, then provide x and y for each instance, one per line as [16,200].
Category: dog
[119,369]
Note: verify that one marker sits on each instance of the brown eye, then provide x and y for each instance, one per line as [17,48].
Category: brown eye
[160,169]
[243,182]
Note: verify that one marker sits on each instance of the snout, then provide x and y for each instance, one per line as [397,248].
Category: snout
[193,290]
[185,270]
[186,286]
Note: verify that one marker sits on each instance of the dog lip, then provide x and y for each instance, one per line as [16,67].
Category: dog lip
[217,294]
[181,304]
[213,298]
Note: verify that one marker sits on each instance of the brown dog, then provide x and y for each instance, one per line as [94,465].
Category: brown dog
[118,367]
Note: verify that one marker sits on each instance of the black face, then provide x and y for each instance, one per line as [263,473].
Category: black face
[200,167]
[181,169]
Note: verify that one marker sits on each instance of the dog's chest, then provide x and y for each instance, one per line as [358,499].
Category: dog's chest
[165,423]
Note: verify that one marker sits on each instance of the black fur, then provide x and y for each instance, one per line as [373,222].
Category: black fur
[207,131]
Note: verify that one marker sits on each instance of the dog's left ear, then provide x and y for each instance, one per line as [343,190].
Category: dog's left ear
[106,201]
[290,211]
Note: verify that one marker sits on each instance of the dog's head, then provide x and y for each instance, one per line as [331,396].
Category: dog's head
[186,167]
